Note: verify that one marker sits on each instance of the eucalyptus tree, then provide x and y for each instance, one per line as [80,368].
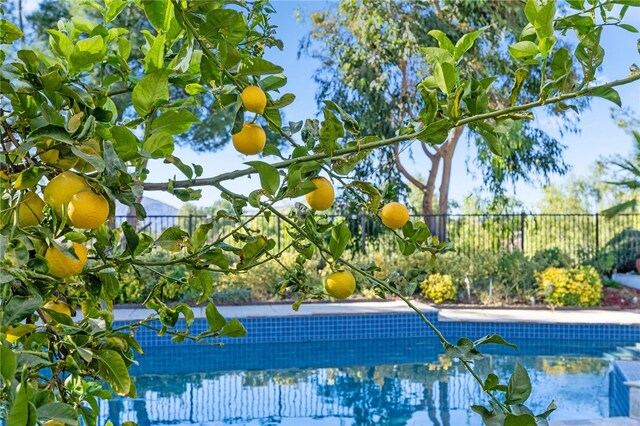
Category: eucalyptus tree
[53,365]
[379,59]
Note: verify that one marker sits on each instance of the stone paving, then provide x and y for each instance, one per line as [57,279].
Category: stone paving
[569,316]
[545,316]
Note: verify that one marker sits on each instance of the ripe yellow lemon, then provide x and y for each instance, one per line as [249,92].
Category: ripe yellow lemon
[30,210]
[54,158]
[394,215]
[62,188]
[61,265]
[88,210]
[250,140]
[322,197]
[254,99]
[50,156]
[59,307]
[340,284]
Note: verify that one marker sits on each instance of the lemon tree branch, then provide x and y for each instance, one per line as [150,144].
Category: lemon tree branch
[163,186]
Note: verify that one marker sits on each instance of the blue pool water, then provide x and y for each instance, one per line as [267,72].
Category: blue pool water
[358,382]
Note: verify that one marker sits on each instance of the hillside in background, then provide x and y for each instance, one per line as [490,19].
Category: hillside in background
[153,208]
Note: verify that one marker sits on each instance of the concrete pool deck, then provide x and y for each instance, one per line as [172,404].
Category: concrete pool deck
[507,315]
[607,421]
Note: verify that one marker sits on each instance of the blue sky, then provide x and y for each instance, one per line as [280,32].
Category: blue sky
[598,136]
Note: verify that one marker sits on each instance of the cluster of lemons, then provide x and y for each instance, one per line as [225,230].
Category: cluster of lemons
[251,139]
[394,215]
[67,193]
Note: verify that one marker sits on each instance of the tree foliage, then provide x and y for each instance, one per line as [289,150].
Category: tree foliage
[59,112]
[380,58]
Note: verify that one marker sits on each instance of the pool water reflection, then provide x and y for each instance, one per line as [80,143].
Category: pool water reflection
[390,382]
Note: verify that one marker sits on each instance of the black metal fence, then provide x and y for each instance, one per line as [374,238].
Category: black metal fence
[581,236]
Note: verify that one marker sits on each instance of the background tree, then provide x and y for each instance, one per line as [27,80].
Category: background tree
[627,170]
[60,253]
[374,60]
[582,194]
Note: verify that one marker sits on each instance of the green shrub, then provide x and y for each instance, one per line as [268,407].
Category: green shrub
[167,285]
[551,258]
[604,262]
[515,278]
[262,281]
[438,288]
[231,296]
[579,286]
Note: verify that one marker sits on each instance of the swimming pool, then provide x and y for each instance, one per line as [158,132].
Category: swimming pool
[353,382]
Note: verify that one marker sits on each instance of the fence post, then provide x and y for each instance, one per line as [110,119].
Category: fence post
[190,224]
[278,231]
[597,232]
[522,219]
[363,232]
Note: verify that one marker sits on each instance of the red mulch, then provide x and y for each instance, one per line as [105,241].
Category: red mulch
[620,297]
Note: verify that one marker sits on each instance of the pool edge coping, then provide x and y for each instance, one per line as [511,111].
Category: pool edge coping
[462,315]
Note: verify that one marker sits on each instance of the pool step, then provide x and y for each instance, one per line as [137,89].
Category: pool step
[624,352]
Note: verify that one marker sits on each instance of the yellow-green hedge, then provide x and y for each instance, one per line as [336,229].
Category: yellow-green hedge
[438,288]
[579,286]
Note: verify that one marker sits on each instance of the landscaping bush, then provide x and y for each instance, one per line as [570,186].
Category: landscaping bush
[551,258]
[579,286]
[136,284]
[438,288]
[496,278]
[621,252]
[263,281]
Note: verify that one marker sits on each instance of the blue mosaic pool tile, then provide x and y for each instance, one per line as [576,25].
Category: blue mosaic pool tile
[396,325]
[621,372]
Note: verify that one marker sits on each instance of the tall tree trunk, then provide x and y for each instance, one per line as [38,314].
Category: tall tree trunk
[428,193]
[447,152]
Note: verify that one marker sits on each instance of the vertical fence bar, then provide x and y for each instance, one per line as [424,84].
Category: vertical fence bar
[522,218]
[597,233]
[579,235]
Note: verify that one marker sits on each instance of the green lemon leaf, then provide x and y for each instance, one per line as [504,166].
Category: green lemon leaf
[58,411]
[257,66]
[215,320]
[340,237]
[233,328]
[9,363]
[174,122]
[113,369]
[607,93]
[159,145]
[523,49]
[150,92]
[519,387]
[465,43]
[159,12]
[269,176]
[9,32]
